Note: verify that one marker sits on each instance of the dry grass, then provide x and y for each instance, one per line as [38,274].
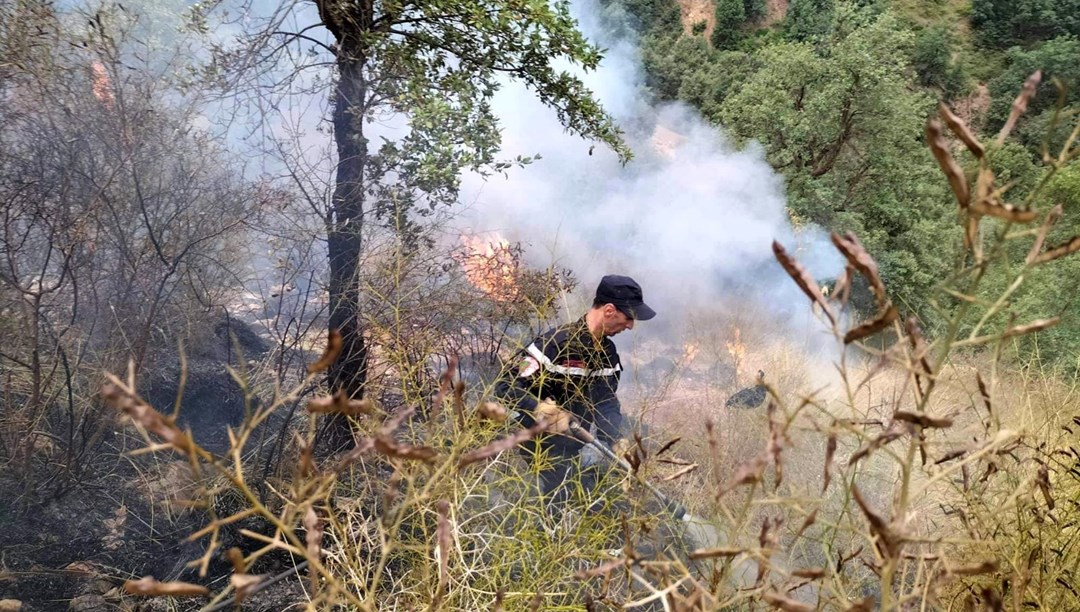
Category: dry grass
[903,474]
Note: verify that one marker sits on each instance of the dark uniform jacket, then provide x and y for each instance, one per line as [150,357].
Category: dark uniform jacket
[578,372]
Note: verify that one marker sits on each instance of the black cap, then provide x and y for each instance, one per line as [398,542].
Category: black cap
[624,293]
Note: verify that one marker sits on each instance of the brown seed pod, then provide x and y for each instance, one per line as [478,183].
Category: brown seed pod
[712,553]
[602,570]
[810,519]
[786,604]
[501,445]
[1070,247]
[958,127]
[922,420]
[150,587]
[888,541]
[870,328]
[1020,105]
[1040,238]
[991,207]
[442,537]
[803,279]
[830,450]
[391,448]
[667,445]
[682,472]
[935,138]
[1028,328]
[853,250]
[313,541]
[119,395]
[340,403]
[330,354]
[244,585]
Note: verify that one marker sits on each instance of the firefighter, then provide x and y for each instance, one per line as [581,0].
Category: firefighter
[572,373]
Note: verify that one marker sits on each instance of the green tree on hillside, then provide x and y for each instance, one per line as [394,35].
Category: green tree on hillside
[843,125]
[648,16]
[932,59]
[1004,23]
[707,85]
[730,15]
[1055,286]
[754,9]
[1057,59]
[669,61]
[840,111]
[809,20]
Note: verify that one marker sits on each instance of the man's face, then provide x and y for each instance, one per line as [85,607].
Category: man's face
[615,321]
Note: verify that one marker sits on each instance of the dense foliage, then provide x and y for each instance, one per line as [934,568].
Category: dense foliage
[1003,23]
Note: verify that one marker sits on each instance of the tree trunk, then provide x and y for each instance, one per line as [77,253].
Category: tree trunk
[345,241]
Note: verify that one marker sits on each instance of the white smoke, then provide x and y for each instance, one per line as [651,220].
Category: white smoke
[692,217]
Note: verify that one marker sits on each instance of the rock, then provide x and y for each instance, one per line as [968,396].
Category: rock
[750,397]
[10,605]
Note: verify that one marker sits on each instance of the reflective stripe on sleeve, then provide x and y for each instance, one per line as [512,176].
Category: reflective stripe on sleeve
[566,370]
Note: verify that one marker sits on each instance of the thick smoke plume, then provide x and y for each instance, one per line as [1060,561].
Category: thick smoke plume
[691,217]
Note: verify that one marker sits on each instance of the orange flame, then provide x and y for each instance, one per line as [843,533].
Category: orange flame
[491,265]
[735,347]
[102,87]
[690,351]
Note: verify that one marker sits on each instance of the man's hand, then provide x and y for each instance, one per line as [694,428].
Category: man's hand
[557,419]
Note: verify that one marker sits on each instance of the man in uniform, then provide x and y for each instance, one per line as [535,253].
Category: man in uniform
[572,372]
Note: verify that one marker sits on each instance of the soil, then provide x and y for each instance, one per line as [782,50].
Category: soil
[775,11]
[696,11]
[79,543]
[123,519]
[75,552]
[972,109]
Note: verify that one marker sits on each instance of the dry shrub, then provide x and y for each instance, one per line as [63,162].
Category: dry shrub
[918,480]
